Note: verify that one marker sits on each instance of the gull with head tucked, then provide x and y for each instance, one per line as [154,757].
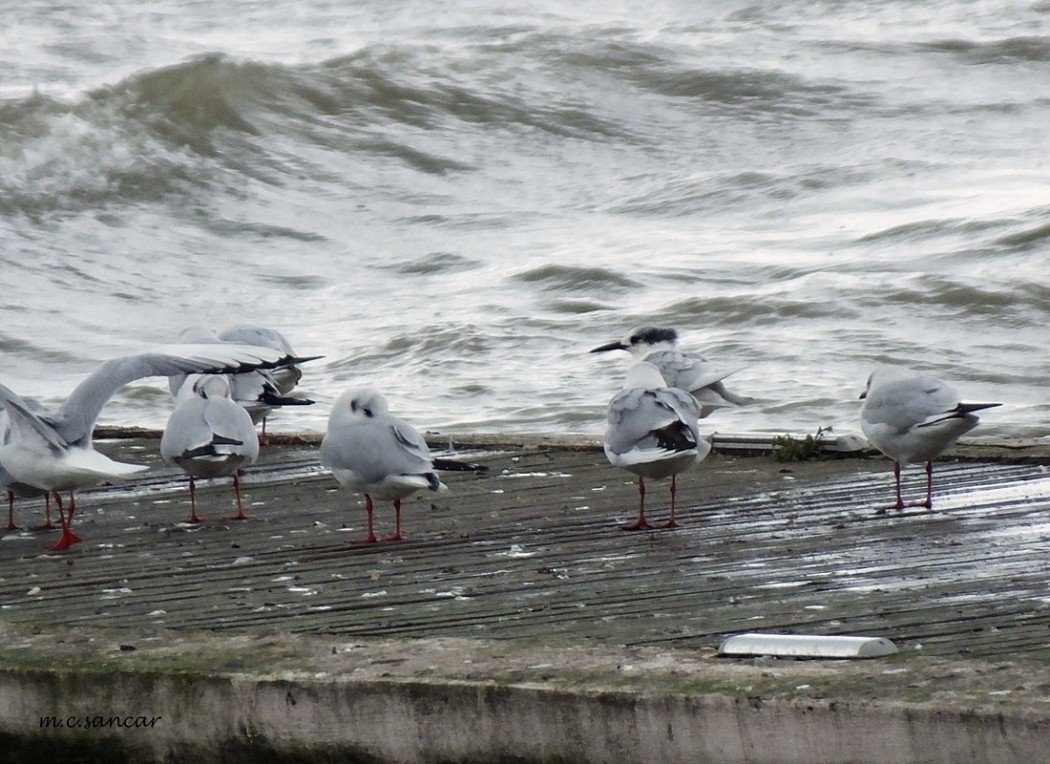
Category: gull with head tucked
[913,417]
[686,371]
[209,435]
[653,432]
[373,452]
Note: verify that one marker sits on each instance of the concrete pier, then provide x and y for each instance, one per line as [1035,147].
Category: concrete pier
[518,623]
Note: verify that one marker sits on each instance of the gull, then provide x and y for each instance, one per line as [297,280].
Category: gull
[52,450]
[209,435]
[13,488]
[17,490]
[912,418]
[686,371]
[259,391]
[373,452]
[653,432]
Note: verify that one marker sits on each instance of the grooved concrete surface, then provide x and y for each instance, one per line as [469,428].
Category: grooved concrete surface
[529,557]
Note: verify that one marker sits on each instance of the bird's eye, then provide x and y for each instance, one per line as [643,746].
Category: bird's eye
[353,405]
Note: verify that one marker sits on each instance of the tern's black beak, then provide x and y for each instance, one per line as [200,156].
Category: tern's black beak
[864,395]
[611,346]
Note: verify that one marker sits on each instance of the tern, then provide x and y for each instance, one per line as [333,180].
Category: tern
[686,371]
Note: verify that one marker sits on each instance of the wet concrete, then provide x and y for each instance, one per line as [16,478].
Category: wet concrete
[521,578]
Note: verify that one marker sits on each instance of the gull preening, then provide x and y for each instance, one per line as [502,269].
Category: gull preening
[259,391]
[373,452]
[653,432]
[912,418]
[686,371]
[52,449]
[209,435]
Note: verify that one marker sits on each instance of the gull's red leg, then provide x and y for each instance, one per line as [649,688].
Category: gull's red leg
[48,525]
[673,522]
[398,536]
[642,524]
[371,537]
[11,512]
[929,486]
[237,492]
[67,538]
[899,505]
[193,518]
[897,479]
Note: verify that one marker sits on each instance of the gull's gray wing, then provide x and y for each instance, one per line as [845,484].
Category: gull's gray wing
[906,402]
[375,448]
[208,426]
[284,379]
[635,415]
[226,419]
[7,480]
[185,430]
[22,413]
[76,418]
[694,373]
[249,334]
[415,454]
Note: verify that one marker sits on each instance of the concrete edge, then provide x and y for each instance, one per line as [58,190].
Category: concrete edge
[178,697]
[178,718]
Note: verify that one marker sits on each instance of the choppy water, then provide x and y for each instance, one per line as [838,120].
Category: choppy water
[455,201]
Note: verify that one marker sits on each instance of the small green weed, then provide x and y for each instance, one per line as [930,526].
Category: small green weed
[789,449]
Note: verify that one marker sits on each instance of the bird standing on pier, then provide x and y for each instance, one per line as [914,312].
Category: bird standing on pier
[653,432]
[271,389]
[209,435]
[13,488]
[372,452]
[259,391]
[912,418]
[52,449]
[686,371]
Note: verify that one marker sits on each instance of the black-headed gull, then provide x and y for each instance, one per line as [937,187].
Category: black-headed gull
[52,450]
[16,490]
[913,417]
[259,391]
[653,432]
[373,452]
[209,435]
[686,371]
[13,488]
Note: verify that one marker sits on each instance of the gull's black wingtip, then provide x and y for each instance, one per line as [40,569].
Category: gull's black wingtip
[270,399]
[451,465]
